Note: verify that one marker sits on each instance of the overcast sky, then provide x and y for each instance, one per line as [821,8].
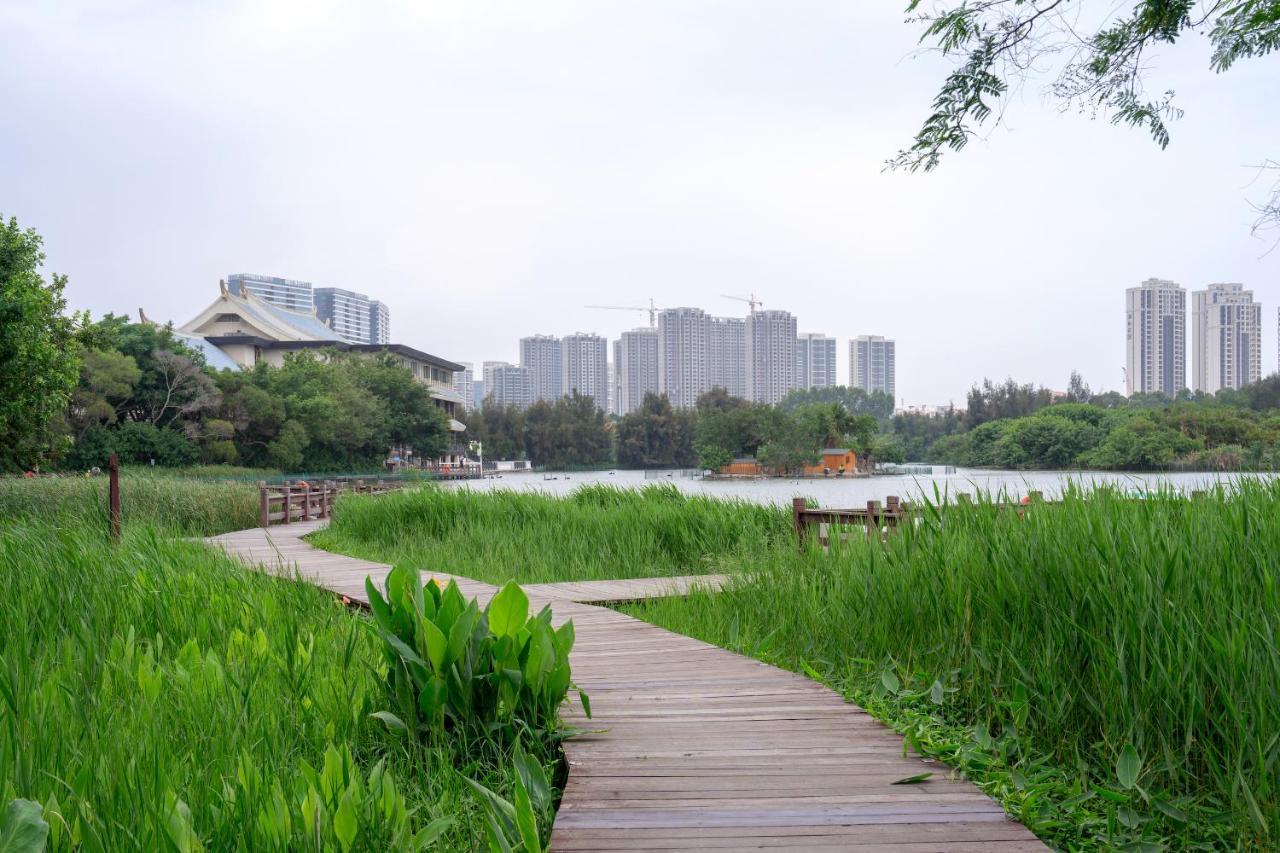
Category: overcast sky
[487,169]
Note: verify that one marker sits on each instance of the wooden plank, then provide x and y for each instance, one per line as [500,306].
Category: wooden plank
[694,747]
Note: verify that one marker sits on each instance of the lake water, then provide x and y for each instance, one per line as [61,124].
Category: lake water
[833,492]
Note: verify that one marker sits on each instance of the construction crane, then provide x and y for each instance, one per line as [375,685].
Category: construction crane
[652,309]
[753,302]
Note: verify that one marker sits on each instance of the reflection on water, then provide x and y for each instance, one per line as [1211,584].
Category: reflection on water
[856,492]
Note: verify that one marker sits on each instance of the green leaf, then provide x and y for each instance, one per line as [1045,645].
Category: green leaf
[393,722]
[1113,796]
[378,604]
[401,648]
[23,829]
[437,644]
[1170,810]
[431,699]
[508,610]
[565,639]
[586,702]
[430,833]
[534,778]
[890,681]
[1128,767]
[913,780]
[936,694]
[460,633]
[526,821]
[345,822]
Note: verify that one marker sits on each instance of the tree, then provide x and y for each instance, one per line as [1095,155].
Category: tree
[107,382]
[855,400]
[656,435]
[1077,389]
[39,355]
[567,433]
[1006,400]
[1100,70]
[501,429]
[413,420]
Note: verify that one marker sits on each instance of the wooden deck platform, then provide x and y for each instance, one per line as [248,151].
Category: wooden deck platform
[701,748]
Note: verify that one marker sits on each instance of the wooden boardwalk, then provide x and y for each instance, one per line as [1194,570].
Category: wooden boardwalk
[697,748]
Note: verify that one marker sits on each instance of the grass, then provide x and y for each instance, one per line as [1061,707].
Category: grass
[1109,668]
[598,532]
[177,504]
[156,696]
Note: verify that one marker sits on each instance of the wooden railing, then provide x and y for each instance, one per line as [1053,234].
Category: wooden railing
[877,520]
[304,501]
[874,517]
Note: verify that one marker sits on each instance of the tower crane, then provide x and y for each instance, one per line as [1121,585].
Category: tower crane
[752,301]
[652,309]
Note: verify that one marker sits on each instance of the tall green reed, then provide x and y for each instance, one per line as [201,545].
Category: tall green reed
[597,532]
[158,696]
[1132,644]
[193,506]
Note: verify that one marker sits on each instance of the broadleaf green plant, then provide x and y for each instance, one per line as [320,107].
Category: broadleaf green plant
[454,669]
[518,826]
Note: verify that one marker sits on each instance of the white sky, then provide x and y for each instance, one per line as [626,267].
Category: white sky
[488,168]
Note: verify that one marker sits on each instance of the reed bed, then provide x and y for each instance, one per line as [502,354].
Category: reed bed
[156,696]
[178,504]
[598,532]
[1108,667]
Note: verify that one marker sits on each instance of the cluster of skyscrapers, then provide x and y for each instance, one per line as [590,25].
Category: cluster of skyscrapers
[1226,338]
[684,354]
[353,317]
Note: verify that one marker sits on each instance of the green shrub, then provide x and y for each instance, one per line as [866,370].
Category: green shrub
[476,675]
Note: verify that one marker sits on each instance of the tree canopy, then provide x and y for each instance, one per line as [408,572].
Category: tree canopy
[39,352]
[1096,53]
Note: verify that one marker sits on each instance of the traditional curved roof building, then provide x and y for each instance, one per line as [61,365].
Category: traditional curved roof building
[238,331]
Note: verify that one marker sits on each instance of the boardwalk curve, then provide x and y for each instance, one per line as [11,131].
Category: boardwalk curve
[697,748]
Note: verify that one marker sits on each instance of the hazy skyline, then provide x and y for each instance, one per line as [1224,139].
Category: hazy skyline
[487,169]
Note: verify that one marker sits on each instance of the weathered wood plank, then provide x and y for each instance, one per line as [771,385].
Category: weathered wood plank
[696,748]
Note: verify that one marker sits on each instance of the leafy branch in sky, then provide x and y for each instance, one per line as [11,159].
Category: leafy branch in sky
[1100,68]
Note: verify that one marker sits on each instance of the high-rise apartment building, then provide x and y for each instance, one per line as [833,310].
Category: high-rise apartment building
[872,364]
[1226,338]
[510,386]
[1155,338]
[379,322]
[346,312]
[487,369]
[728,355]
[770,355]
[464,384]
[284,292]
[815,361]
[584,367]
[684,344]
[635,365]
[541,355]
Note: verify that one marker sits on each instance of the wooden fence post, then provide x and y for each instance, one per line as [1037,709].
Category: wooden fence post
[893,511]
[798,507]
[264,505]
[306,502]
[873,511]
[113,496]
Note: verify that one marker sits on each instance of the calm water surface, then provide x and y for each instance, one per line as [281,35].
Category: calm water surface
[856,492]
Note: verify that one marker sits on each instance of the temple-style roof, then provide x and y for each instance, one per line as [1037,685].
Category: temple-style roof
[214,357]
[251,315]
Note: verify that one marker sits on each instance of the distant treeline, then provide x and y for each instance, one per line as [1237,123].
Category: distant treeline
[572,432]
[1010,425]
